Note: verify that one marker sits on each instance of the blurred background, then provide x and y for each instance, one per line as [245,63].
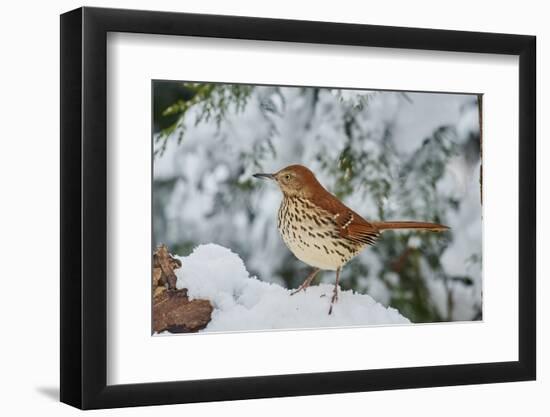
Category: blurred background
[388,155]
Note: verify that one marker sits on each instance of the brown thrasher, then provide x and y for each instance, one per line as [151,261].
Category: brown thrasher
[320,230]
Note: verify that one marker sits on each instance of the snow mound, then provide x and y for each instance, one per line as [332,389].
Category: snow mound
[242,302]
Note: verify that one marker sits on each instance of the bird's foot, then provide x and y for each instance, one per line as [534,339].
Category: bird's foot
[333,300]
[300,288]
[306,282]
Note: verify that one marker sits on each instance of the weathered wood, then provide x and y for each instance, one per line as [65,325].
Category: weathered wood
[172,309]
[167,263]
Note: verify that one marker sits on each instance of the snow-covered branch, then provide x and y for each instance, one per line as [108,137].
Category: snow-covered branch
[242,302]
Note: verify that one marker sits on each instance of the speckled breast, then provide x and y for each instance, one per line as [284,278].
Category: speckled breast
[312,236]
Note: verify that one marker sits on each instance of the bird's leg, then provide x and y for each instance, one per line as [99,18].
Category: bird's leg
[335,294]
[307,281]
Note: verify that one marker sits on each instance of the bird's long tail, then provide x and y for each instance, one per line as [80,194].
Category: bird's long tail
[433,227]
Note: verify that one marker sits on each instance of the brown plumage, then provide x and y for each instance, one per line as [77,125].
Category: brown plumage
[322,231]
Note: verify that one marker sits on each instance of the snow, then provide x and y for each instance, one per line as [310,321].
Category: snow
[242,302]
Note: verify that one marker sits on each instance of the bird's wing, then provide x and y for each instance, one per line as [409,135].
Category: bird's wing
[351,225]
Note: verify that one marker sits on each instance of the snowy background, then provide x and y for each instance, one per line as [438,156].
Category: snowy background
[387,155]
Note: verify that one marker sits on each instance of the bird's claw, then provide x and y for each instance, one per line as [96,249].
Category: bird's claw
[333,300]
[297,290]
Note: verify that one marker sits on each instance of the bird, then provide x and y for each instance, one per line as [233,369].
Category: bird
[320,230]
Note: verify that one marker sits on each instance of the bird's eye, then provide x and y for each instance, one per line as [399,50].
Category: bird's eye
[287,176]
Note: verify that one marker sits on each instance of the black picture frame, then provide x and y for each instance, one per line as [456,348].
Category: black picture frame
[84,207]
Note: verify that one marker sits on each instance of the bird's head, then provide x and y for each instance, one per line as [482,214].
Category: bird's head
[294,181]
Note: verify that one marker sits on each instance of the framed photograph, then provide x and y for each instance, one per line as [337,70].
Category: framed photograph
[257,208]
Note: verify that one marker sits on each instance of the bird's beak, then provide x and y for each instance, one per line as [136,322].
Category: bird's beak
[270,176]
